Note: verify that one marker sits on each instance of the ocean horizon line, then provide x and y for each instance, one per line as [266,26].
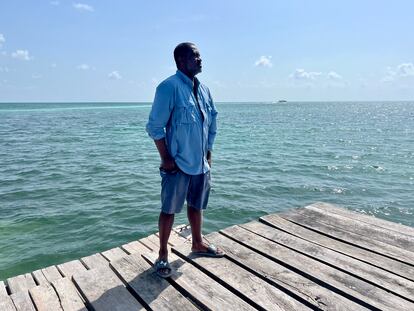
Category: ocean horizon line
[217,101]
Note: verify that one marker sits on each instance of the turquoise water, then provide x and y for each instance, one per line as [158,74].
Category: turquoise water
[76,179]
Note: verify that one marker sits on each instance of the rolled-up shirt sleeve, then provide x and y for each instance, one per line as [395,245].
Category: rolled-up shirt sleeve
[160,111]
[213,125]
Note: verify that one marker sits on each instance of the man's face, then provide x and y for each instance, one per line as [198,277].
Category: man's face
[192,61]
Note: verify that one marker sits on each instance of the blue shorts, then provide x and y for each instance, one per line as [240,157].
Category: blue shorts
[177,186]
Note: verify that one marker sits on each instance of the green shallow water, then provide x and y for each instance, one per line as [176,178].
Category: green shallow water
[76,179]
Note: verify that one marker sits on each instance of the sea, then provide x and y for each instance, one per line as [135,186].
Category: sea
[81,178]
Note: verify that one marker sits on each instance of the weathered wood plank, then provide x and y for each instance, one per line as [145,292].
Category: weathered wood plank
[372,220]
[71,267]
[381,234]
[254,290]
[39,277]
[314,293]
[51,274]
[391,237]
[336,280]
[21,283]
[349,237]
[104,291]
[6,303]
[386,280]
[45,298]
[155,291]
[364,255]
[114,254]
[22,301]
[150,243]
[69,297]
[3,291]
[155,240]
[134,247]
[95,261]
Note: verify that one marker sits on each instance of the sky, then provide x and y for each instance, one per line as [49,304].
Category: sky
[69,51]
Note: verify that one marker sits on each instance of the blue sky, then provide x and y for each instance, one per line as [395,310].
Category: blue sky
[252,50]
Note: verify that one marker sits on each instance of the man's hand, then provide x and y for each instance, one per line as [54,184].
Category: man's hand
[209,158]
[168,164]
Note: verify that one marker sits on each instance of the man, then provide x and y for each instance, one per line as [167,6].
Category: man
[182,123]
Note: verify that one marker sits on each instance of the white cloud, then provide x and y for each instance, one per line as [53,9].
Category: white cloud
[54,2]
[405,70]
[301,74]
[264,61]
[83,67]
[53,65]
[332,75]
[114,75]
[2,39]
[83,7]
[401,71]
[36,76]
[22,55]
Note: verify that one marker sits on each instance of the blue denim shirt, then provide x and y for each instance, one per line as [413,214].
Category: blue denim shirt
[189,129]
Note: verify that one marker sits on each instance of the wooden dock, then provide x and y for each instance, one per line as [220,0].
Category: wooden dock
[320,257]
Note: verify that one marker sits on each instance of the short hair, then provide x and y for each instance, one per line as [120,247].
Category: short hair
[182,50]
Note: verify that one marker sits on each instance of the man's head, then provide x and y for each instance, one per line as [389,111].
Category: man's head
[187,58]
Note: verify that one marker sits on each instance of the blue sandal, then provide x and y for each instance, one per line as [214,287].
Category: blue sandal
[162,265]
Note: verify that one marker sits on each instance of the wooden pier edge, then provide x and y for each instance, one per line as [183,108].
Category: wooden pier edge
[319,257]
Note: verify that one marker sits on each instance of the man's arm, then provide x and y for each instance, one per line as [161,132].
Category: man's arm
[212,130]
[158,119]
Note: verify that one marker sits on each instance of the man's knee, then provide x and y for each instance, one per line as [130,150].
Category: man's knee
[164,214]
[166,218]
[192,209]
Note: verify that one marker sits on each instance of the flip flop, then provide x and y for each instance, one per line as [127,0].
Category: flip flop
[211,252]
[160,265]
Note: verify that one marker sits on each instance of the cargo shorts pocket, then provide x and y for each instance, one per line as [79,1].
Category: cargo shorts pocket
[164,172]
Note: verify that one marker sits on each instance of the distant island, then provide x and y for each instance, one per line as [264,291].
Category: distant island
[281,101]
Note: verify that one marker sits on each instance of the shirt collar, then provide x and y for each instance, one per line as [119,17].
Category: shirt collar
[186,79]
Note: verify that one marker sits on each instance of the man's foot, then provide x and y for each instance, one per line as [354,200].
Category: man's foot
[162,268]
[207,251]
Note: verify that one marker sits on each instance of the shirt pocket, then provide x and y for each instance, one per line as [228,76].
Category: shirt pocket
[187,115]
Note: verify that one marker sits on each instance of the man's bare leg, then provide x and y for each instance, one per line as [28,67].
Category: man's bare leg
[195,217]
[165,223]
